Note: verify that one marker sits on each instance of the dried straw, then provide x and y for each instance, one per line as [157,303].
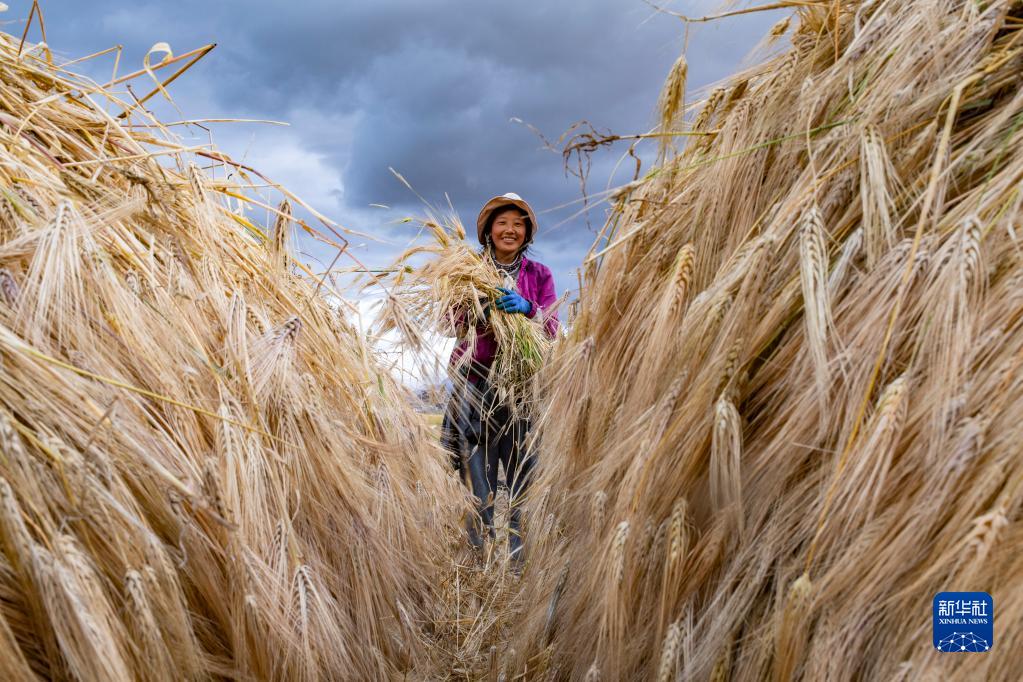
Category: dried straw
[849,334]
[204,473]
[454,293]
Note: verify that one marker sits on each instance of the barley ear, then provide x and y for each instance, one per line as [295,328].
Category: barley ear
[671,105]
[280,251]
[792,629]
[670,653]
[813,276]
[725,472]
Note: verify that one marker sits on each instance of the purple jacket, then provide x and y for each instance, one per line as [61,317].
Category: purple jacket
[536,284]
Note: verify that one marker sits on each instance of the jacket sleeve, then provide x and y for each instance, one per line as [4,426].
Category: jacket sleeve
[546,298]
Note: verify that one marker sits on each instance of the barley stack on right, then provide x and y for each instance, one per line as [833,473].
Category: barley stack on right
[790,410]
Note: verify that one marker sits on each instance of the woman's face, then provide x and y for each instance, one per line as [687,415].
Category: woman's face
[508,233]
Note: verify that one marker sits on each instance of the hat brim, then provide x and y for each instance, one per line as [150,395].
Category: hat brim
[497,202]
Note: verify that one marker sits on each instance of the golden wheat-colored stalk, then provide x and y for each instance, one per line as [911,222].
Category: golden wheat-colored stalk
[204,471]
[849,335]
[453,292]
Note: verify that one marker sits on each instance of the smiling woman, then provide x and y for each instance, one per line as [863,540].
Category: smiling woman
[509,224]
[478,422]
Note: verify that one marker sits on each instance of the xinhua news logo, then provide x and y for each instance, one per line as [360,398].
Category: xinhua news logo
[964,622]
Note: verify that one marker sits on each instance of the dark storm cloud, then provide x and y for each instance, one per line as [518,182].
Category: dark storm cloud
[425,87]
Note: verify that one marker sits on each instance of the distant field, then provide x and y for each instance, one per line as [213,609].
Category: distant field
[434,419]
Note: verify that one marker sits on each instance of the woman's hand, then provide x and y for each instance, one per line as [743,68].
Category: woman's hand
[513,302]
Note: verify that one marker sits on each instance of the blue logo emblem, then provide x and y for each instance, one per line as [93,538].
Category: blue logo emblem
[964,621]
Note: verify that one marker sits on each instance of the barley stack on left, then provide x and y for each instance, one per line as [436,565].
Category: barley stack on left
[203,471]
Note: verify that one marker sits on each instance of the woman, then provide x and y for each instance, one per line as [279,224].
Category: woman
[478,430]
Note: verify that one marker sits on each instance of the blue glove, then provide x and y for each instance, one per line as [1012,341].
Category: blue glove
[512,302]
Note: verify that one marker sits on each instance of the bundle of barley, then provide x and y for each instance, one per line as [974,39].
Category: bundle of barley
[203,471]
[790,409]
[453,292]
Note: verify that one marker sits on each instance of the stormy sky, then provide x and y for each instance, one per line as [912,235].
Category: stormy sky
[432,88]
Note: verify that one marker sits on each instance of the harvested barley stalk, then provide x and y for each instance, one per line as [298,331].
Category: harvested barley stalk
[453,292]
[204,472]
[849,335]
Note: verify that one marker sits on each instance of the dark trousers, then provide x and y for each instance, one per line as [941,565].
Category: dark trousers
[480,432]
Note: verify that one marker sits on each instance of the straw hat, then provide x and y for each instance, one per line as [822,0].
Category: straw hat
[504,200]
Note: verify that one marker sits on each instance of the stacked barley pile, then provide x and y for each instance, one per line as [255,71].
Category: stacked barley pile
[203,472]
[791,407]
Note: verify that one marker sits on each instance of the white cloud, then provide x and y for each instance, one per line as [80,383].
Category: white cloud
[282,155]
[414,369]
